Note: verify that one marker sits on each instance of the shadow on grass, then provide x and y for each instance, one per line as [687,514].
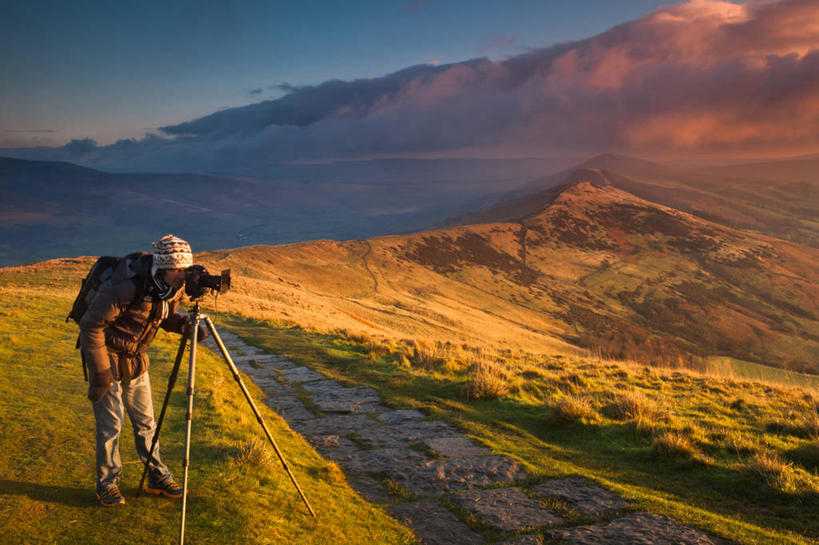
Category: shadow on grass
[64,495]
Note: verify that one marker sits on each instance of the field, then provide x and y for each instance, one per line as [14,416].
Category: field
[736,458]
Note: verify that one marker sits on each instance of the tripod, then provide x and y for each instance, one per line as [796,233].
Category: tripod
[194,318]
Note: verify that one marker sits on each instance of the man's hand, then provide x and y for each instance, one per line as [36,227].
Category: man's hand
[98,384]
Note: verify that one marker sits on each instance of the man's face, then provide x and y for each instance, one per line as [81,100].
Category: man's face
[174,277]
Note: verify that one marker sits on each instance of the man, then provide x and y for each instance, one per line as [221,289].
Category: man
[115,332]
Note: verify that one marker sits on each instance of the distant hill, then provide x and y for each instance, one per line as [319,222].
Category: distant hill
[799,169]
[738,197]
[588,266]
[52,209]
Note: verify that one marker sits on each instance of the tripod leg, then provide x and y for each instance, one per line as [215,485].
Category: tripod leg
[171,383]
[258,415]
[194,325]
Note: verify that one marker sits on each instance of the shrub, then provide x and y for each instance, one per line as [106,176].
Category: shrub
[487,380]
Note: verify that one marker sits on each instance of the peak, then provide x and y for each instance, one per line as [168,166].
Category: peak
[620,163]
[593,176]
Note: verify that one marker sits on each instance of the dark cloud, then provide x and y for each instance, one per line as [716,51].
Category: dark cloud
[703,75]
[78,148]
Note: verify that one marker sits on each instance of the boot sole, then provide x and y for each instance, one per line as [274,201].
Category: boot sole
[161,492]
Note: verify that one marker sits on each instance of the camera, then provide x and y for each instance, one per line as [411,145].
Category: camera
[198,281]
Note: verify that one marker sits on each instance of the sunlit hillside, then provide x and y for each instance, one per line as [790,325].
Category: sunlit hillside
[590,267]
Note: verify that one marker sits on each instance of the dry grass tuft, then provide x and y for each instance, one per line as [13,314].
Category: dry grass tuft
[740,443]
[637,407]
[487,380]
[781,474]
[573,408]
[674,444]
[255,453]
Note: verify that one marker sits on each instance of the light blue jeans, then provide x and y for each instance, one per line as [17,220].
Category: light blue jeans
[136,397]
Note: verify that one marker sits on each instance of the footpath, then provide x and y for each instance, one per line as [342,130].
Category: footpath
[441,477]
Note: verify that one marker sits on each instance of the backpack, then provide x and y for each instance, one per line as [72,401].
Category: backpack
[100,273]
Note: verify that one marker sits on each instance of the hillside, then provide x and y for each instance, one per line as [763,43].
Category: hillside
[589,266]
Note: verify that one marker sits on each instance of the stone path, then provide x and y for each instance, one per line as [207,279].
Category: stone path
[431,477]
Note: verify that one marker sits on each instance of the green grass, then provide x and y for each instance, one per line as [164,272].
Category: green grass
[238,492]
[676,454]
[739,369]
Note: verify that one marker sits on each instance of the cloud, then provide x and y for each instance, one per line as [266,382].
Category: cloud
[256,91]
[703,75]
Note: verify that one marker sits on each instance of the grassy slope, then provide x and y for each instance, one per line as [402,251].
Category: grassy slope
[238,491]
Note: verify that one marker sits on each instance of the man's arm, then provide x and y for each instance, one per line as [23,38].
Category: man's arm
[175,322]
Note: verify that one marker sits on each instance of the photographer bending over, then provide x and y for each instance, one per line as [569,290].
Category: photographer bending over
[142,295]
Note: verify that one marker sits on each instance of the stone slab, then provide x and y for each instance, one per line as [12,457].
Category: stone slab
[455,447]
[583,496]
[370,489]
[636,529]
[506,509]
[410,432]
[381,460]
[523,540]
[334,424]
[433,524]
[331,396]
[401,416]
[301,374]
[439,477]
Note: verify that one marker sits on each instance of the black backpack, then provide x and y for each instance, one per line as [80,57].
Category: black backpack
[100,273]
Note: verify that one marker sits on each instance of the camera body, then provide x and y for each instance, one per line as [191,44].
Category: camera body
[198,281]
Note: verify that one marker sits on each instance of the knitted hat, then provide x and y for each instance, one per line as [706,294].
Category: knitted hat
[171,252]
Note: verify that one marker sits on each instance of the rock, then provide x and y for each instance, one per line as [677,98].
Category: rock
[583,496]
[433,524]
[506,509]
[439,477]
[455,447]
[636,529]
[301,374]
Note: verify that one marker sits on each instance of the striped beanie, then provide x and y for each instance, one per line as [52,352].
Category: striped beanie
[171,252]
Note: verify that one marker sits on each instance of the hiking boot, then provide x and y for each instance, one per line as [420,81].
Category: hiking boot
[169,489]
[110,497]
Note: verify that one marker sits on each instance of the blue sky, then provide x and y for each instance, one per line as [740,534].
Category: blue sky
[112,70]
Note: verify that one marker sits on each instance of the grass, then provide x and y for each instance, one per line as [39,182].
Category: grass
[676,443]
[238,491]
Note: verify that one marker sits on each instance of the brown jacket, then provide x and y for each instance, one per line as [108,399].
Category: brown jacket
[123,319]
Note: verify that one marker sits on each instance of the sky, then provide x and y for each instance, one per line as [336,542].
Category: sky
[224,85]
